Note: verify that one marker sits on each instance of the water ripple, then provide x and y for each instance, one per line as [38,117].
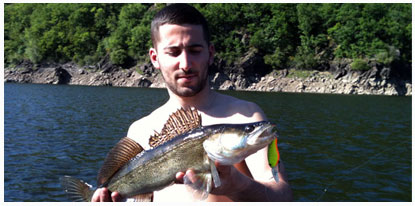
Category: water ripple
[334,147]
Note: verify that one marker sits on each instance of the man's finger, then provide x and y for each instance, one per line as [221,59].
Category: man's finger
[95,196]
[116,197]
[191,175]
[99,195]
[179,177]
[104,196]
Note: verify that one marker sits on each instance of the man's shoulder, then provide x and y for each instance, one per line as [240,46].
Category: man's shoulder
[237,110]
[142,129]
[239,104]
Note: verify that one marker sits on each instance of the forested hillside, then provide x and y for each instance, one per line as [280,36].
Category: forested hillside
[301,36]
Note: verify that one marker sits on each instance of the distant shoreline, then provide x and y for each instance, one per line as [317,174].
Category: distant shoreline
[360,83]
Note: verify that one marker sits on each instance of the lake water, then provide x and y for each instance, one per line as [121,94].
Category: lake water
[334,147]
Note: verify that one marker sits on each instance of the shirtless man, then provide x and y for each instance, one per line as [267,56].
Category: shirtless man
[183,52]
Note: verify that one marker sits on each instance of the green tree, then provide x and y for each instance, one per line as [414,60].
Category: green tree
[132,35]
[16,20]
[304,36]
[279,37]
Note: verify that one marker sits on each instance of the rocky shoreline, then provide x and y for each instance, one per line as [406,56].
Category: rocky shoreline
[339,80]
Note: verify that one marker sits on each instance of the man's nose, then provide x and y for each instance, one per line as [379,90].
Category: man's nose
[185,61]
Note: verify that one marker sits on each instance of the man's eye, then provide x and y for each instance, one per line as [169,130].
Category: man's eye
[174,53]
[195,50]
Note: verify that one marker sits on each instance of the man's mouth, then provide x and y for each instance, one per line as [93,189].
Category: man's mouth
[186,77]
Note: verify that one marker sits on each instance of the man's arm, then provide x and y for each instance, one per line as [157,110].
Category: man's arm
[262,187]
[238,184]
[103,194]
[239,187]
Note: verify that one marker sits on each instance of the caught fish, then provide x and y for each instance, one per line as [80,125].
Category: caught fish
[183,143]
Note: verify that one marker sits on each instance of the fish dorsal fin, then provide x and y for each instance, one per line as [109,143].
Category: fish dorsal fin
[118,156]
[181,121]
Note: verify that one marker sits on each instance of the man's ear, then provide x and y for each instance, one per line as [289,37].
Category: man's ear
[154,58]
[211,53]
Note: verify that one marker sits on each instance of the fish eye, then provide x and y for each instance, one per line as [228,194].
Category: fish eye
[249,128]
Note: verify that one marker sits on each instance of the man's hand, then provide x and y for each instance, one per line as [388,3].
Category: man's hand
[232,181]
[239,187]
[103,195]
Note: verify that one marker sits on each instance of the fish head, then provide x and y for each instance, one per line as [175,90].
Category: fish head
[231,143]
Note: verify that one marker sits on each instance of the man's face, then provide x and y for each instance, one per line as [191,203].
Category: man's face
[183,56]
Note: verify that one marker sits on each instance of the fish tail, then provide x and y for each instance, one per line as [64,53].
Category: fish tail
[77,190]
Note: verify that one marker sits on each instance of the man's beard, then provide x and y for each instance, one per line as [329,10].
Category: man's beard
[188,91]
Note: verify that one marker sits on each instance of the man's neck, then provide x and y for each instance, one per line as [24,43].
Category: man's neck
[202,101]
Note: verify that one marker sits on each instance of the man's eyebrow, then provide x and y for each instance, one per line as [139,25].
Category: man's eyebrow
[170,47]
[195,45]
[188,46]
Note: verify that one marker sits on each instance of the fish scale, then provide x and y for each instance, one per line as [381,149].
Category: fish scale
[160,164]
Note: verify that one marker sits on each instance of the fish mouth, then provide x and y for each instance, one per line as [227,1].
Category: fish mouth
[268,130]
[264,135]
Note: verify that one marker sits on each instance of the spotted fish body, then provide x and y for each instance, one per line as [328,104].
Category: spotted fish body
[154,169]
[133,172]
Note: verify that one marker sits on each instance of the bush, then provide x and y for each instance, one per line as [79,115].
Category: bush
[302,74]
[387,56]
[359,65]
[118,56]
[305,60]
[275,60]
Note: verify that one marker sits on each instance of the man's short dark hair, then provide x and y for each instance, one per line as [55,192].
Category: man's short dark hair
[178,14]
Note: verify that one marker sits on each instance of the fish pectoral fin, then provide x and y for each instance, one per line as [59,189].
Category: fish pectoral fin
[148,197]
[117,157]
[199,185]
[215,174]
